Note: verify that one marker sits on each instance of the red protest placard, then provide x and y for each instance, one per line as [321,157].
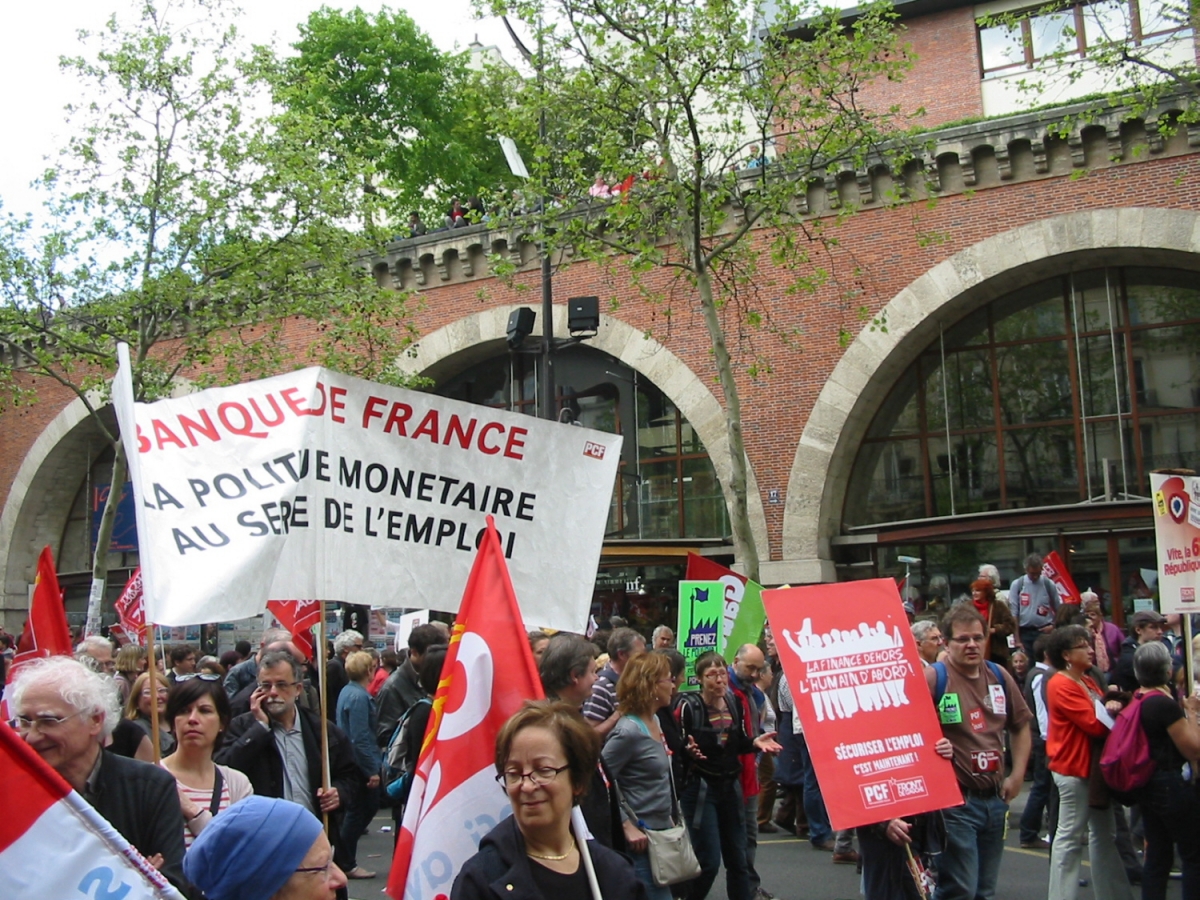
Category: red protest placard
[861,696]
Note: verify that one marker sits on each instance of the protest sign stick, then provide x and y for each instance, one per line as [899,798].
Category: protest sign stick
[152,685]
[1189,663]
[323,673]
[579,826]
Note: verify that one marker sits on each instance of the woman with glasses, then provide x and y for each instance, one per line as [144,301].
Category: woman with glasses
[1072,698]
[137,708]
[198,714]
[545,756]
[264,849]
[636,755]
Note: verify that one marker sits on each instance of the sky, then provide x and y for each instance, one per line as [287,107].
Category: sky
[37,32]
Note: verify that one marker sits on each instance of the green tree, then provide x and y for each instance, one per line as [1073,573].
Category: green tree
[678,94]
[191,220]
[385,93]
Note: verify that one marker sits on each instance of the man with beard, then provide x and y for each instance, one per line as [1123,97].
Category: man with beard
[278,745]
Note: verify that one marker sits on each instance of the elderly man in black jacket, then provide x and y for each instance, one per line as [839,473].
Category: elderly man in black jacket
[278,744]
[139,800]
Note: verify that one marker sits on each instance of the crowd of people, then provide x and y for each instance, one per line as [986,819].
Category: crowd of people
[1026,687]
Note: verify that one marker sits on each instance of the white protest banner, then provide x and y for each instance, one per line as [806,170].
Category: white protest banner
[407,622]
[1177,538]
[317,485]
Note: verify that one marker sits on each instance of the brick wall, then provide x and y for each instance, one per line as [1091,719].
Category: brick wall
[886,243]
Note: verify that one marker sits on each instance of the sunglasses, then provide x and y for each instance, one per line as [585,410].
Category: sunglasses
[203,676]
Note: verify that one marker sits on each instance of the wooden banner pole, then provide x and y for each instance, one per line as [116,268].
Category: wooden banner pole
[322,673]
[152,684]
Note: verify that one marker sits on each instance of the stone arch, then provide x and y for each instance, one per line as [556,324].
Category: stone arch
[482,335]
[942,296]
[39,500]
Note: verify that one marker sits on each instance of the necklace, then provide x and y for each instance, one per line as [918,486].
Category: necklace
[548,856]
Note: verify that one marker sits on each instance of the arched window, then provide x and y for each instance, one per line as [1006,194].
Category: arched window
[1067,391]
[666,485]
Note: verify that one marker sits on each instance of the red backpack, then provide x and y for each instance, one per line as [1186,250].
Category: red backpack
[1125,763]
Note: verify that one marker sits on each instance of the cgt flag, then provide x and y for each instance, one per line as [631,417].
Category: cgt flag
[53,823]
[488,673]
[298,617]
[1054,569]
[46,632]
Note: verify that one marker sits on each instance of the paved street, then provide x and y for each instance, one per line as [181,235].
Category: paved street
[790,869]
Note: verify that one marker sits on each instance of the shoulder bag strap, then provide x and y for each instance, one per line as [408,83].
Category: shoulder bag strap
[218,788]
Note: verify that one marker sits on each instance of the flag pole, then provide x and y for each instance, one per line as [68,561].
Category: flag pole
[152,683]
[580,828]
[322,678]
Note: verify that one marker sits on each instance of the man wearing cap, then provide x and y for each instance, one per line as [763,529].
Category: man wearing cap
[262,848]
[1034,601]
[278,744]
[1145,626]
[65,712]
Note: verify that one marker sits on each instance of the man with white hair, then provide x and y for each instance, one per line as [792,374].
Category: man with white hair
[100,651]
[65,711]
[663,638]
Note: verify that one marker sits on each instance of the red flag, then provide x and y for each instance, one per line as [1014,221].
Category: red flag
[46,632]
[298,617]
[130,609]
[1054,569]
[52,822]
[488,673]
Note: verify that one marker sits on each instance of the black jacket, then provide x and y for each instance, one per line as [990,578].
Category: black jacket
[399,692]
[1122,671]
[501,869]
[250,748]
[141,802]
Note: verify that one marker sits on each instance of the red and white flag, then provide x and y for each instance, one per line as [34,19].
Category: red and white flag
[488,673]
[1054,569]
[298,617]
[46,632]
[130,609]
[54,844]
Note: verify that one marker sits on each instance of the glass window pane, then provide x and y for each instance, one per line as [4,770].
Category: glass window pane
[1165,367]
[1001,46]
[1032,313]
[1157,295]
[1039,467]
[972,465]
[967,395]
[1106,22]
[1102,376]
[899,413]
[704,510]
[1052,33]
[1095,300]
[1035,383]
[659,500]
[656,426]
[1162,16]
[1170,442]
[1107,456]
[970,332]
[887,484]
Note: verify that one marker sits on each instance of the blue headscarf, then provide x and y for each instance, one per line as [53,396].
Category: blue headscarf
[250,851]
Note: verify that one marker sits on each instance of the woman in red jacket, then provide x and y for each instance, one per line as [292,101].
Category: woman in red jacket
[1072,699]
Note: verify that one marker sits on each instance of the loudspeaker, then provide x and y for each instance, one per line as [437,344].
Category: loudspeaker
[520,325]
[583,314]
